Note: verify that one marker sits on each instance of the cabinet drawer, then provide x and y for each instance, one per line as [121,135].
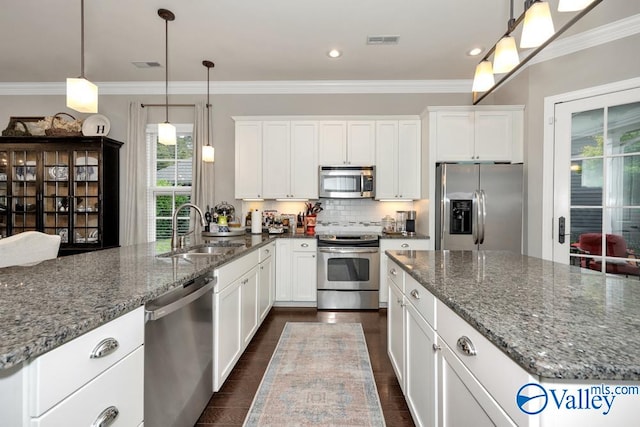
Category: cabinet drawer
[404,245]
[60,372]
[488,361]
[307,245]
[121,386]
[421,299]
[228,273]
[267,251]
[395,274]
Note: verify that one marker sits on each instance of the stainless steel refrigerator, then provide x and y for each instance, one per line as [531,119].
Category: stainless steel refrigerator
[479,206]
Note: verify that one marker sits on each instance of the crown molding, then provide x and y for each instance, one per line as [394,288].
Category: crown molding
[604,34]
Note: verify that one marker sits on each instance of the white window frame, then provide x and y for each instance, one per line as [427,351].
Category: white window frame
[152,190]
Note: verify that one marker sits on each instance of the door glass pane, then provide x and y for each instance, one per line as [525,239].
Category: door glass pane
[624,128]
[587,128]
[586,182]
[623,181]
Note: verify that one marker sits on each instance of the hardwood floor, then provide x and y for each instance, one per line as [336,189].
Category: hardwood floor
[230,405]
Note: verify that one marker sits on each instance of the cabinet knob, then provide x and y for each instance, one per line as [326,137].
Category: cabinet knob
[415,294]
[104,348]
[106,417]
[465,345]
[393,272]
[404,245]
[304,245]
[436,347]
[313,256]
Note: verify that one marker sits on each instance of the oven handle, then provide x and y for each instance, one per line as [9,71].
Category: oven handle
[349,250]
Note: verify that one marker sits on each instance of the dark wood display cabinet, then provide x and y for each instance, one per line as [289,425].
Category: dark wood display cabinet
[61,185]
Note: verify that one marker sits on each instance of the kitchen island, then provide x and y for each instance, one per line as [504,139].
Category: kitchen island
[558,325]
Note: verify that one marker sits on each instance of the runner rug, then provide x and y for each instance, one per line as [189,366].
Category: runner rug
[320,374]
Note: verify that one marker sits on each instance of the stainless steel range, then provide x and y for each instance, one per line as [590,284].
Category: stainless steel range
[348,271]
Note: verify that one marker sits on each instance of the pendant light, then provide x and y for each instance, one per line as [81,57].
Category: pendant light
[483,79]
[506,56]
[82,95]
[538,25]
[208,151]
[166,131]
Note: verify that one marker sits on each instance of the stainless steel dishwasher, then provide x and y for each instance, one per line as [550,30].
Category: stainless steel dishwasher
[178,363]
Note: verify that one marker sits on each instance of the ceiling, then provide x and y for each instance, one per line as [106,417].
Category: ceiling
[248,40]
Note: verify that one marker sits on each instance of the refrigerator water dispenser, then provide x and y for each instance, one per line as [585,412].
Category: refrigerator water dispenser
[460,220]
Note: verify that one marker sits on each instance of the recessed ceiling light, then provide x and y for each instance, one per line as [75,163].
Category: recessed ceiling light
[475,51]
[334,53]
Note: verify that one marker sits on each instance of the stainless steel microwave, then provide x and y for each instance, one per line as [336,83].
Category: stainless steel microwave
[347,182]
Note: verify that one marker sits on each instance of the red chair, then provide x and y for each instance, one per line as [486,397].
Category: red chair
[616,246]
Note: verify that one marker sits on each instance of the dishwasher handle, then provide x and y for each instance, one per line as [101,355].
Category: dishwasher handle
[160,312]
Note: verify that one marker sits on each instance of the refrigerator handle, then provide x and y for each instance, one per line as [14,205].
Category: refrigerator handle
[483,215]
[443,189]
[475,209]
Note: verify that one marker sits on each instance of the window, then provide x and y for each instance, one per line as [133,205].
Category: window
[169,182]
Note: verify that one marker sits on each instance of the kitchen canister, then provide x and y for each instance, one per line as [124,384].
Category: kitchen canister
[256,222]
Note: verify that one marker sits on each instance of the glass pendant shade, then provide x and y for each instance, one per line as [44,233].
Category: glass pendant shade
[82,95]
[166,134]
[573,5]
[538,25]
[506,56]
[483,79]
[208,154]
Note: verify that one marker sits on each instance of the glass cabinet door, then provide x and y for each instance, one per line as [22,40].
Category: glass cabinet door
[24,186]
[4,202]
[56,196]
[86,197]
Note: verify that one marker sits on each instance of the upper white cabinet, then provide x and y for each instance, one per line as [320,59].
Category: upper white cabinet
[467,134]
[350,142]
[397,159]
[248,160]
[290,159]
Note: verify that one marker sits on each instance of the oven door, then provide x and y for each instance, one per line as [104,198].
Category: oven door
[347,268]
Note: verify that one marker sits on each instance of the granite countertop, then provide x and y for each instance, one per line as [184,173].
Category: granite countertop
[49,304]
[556,321]
[416,236]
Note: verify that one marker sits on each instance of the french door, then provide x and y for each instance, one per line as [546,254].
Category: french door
[597,183]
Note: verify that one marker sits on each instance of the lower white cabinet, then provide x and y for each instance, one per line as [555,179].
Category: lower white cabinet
[236,315]
[408,244]
[296,272]
[267,282]
[420,368]
[395,331]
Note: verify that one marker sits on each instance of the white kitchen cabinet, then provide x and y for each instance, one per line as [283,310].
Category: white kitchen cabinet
[248,159]
[468,134]
[408,244]
[289,159]
[296,272]
[227,337]
[420,367]
[250,316]
[395,331]
[397,159]
[266,292]
[235,313]
[347,142]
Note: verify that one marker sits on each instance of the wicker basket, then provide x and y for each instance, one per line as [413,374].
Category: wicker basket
[53,131]
[12,129]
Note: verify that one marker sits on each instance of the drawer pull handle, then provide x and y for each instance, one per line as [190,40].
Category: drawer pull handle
[104,348]
[106,417]
[466,346]
[393,272]
[436,347]
[305,245]
[415,294]
[404,245]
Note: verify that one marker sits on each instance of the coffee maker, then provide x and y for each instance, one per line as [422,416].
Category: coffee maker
[410,225]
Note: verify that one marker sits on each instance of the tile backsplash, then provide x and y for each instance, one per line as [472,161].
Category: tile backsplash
[338,211]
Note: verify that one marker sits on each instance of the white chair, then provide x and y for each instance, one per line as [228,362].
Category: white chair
[28,248]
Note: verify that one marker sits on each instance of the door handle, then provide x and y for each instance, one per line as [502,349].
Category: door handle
[561,229]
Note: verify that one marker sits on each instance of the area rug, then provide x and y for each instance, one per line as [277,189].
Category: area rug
[320,374]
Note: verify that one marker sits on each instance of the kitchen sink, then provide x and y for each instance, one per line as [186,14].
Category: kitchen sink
[211,249]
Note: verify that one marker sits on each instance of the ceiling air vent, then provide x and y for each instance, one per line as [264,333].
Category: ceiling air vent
[383,40]
[146,64]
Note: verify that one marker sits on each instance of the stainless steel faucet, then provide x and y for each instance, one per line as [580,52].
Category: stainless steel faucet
[179,243]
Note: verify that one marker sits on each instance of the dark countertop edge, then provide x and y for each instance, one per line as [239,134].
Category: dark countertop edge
[68,333]
[400,236]
[580,373]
